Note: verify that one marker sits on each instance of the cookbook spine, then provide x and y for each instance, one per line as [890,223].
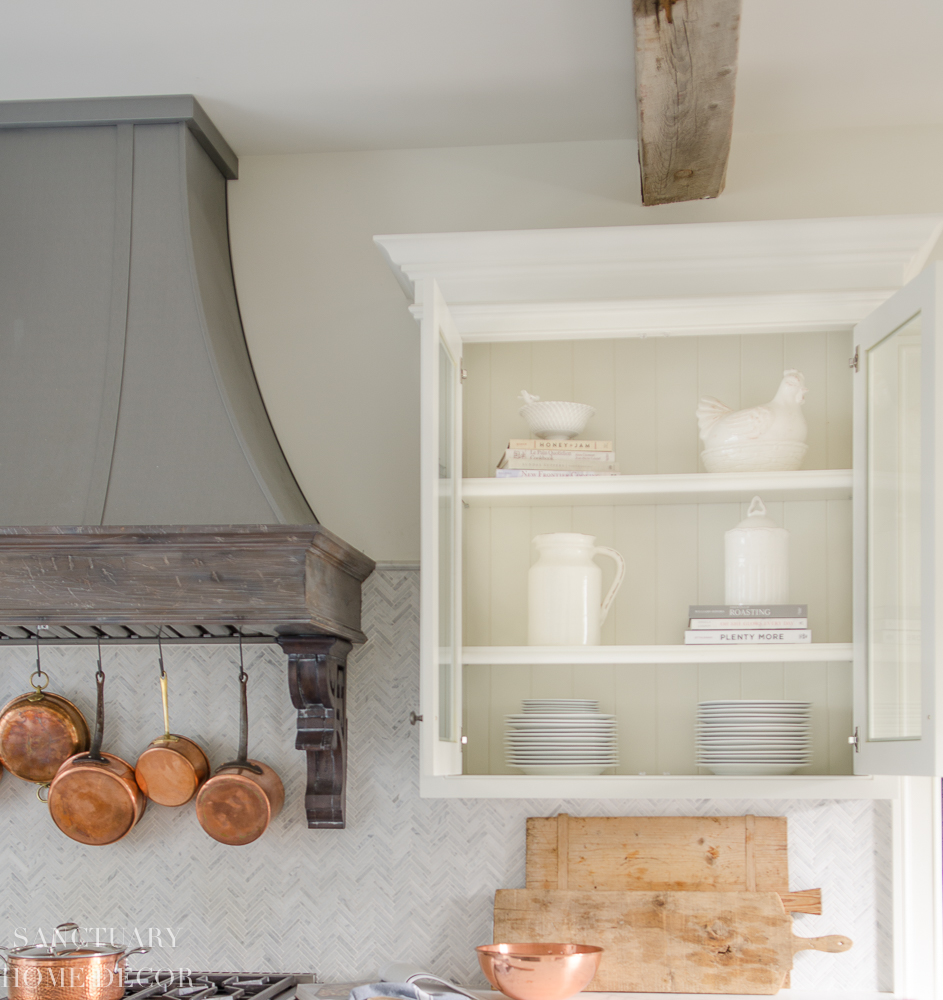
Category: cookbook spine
[722,637]
[748,610]
[538,444]
[748,623]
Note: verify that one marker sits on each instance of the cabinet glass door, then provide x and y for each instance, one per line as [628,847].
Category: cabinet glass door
[896,548]
[440,622]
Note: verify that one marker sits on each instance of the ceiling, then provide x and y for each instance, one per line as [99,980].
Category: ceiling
[281,76]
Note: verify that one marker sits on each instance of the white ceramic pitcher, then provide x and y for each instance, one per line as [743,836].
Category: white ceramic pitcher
[564,588]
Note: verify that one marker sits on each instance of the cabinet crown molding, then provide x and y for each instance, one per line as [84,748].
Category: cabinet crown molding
[703,277]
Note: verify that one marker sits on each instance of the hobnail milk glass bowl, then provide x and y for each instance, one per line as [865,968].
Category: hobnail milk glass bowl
[554,420]
[539,971]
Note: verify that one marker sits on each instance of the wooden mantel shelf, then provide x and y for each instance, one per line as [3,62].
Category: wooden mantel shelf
[298,585]
[195,580]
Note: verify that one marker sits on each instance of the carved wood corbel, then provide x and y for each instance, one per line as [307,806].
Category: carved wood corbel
[317,668]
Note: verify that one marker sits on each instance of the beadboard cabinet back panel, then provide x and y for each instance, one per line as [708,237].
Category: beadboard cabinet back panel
[674,557]
[656,707]
[645,392]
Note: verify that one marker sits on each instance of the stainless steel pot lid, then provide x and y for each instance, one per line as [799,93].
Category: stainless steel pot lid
[76,949]
[63,951]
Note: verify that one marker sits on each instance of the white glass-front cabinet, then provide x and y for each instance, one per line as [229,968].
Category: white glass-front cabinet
[641,322]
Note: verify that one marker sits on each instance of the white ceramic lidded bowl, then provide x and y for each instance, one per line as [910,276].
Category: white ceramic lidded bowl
[554,420]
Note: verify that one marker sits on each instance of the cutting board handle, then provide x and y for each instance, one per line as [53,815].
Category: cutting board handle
[831,942]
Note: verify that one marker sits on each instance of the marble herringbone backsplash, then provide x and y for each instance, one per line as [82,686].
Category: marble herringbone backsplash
[409,878]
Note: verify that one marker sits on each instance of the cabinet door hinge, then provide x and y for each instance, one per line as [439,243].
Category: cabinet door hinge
[853,362]
[853,740]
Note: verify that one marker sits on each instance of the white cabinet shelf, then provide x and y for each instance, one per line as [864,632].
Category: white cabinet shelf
[813,652]
[706,487]
[660,786]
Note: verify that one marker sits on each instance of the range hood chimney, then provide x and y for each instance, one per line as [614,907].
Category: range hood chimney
[126,391]
[142,487]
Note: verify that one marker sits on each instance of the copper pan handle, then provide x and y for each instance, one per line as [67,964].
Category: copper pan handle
[242,757]
[166,738]
[124,955]
[95,753]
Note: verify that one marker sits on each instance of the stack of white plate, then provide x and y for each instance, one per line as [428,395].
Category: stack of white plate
[754,737]
[561,736]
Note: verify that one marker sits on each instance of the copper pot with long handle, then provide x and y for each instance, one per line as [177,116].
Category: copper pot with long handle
[76,971]
[172,768]
[94,798]
[39,731]
[237,804]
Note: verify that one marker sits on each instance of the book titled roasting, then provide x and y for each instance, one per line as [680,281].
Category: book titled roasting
[747,610]
[731,637]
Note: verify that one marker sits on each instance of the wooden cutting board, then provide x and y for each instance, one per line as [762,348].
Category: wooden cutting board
[665,942]
[694,853]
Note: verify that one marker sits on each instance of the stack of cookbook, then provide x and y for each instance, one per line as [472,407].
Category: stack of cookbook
[533,457]
[730,624]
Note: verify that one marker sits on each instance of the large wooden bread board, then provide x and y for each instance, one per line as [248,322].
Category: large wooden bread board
[665,942]
[664,853]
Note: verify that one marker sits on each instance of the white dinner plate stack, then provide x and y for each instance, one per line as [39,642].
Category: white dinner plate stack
[561,736]
[754,737]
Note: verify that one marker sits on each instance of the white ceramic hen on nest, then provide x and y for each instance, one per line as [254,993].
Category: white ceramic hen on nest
[768,438]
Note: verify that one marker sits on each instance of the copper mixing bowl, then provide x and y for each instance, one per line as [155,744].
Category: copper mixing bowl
[539,971]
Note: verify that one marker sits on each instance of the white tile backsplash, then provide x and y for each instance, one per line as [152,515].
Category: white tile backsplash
[409,878]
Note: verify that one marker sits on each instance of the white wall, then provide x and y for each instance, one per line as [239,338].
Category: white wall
[335,349]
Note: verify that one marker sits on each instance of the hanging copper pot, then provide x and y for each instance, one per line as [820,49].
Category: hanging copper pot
[94,798]
[172,768]
[39,731]
[237,804]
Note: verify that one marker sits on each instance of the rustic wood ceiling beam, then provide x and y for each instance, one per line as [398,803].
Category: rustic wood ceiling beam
[685,76]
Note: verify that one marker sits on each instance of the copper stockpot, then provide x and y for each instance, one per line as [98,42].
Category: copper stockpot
[94,798]
[237,804]
[66,972]
[39,731]
[172,768]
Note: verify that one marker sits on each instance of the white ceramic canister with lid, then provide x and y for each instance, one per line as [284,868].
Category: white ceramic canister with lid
[564,588]
[756,559]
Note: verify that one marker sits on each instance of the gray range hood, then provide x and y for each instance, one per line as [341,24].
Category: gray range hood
[142,487]
[126,391]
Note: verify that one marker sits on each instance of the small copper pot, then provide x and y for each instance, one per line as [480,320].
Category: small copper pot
[237,804]
[172,767]
[66,972]
[39,732]
[94,798]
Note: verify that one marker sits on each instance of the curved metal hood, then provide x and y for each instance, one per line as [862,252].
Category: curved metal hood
[141,483]
[127,394]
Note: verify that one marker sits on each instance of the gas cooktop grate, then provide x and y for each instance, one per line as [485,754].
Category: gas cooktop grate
[185,985]
[150,984]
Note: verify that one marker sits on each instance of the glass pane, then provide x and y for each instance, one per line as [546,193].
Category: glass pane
[446,536]
[894,535]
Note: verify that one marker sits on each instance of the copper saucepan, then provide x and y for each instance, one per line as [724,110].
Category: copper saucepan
[237,804]
[76,971]
[40,730]
[94,798]
[172,767]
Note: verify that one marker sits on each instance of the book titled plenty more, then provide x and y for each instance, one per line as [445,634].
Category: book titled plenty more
[724,624]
